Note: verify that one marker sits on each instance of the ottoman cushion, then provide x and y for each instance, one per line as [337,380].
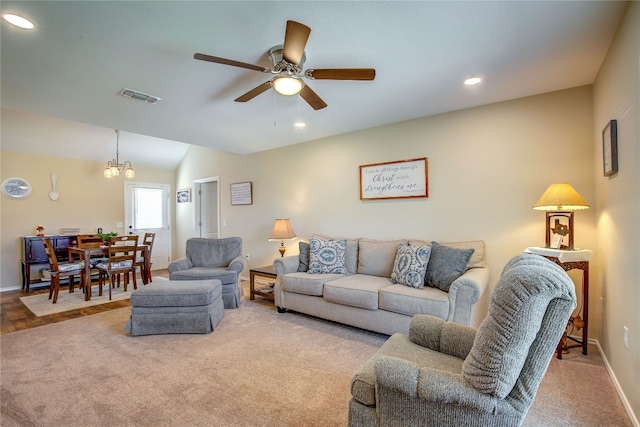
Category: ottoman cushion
[184,293]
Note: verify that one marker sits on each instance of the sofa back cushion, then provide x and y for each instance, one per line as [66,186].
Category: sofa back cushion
[376,257]
[351,256]
[213,252]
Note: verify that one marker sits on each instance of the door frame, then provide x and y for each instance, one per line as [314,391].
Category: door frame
[167,208]
[197,206]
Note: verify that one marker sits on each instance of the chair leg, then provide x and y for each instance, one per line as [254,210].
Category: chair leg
[111,284]
[100,282]
[56,288]
[135,284]
[71,284]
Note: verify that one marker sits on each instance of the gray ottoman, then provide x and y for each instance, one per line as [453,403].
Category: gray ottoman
[176,307]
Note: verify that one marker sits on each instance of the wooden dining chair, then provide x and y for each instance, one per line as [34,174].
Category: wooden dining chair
[121,254]
[61,270]
[90,241]
[140,261]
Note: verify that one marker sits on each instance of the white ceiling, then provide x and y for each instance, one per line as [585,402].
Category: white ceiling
[62,78]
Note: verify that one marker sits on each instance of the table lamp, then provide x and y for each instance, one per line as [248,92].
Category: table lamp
[560,201]
[282,231]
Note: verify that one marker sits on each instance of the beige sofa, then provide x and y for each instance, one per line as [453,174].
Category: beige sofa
[365,297]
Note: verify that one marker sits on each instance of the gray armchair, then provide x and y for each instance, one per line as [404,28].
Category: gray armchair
[445,373]
[213,259]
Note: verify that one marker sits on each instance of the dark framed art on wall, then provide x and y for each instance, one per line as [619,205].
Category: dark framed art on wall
[610,148]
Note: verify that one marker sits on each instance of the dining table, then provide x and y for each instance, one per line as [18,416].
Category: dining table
[87,253]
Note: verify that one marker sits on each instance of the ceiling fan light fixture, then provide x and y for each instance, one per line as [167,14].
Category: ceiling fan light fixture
[287,85]
[18,21]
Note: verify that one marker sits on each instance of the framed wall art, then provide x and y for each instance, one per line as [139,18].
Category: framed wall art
[183,196]
[241,193]
[400,179]
[610,148]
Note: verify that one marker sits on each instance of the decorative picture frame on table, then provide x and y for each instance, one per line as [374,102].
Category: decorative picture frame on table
[610,148]
[183,196]
[242,193]
[401,179]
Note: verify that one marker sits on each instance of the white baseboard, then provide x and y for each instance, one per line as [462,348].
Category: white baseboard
[11,288]
[623,397]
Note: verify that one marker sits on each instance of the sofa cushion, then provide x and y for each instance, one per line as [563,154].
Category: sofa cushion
[327,256]
[446,264]
[478,259]
[410,301]
[303,263]
[351,257]
[305,283]
[376,257]
[410,265]
[356,290]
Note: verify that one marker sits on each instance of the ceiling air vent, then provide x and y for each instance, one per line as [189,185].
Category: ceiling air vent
[134,94]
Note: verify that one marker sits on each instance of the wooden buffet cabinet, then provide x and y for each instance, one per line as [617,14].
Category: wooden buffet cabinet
[33,254]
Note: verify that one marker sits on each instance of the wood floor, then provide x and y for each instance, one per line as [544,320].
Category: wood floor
[15,316]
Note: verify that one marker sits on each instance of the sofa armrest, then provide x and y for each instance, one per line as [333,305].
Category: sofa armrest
[287,264]
[445,337]
[236,264]
[180,264]
[465,291]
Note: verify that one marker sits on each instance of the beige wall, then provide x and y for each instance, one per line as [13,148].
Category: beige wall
[617,202]
[487,167]
[87,200]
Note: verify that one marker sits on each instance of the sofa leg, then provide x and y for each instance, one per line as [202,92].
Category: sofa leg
[282,310]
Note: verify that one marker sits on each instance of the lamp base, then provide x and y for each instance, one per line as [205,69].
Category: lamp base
[282,249]
[558,230]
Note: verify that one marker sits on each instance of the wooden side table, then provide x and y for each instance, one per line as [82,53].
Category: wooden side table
[266,291]
[572,260]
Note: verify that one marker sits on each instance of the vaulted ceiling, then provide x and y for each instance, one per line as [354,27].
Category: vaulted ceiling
[62,78]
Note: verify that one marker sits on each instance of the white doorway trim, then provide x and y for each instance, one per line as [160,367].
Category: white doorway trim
[201,210]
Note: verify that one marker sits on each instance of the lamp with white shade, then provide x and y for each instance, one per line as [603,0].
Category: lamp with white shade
[282,231]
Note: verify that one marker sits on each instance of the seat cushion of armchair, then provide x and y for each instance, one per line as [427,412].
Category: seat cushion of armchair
[202,273]
[398,345]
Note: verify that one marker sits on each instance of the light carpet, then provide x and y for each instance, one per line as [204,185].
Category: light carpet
[41,305]
[258,368]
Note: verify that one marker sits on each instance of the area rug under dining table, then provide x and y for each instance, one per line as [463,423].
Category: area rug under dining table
[41,305]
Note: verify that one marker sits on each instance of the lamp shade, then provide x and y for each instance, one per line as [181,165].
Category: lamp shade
[282,230]
[560,198]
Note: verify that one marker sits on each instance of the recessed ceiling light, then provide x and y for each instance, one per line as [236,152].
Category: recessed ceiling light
[471,81]
[299,125]
[18,21]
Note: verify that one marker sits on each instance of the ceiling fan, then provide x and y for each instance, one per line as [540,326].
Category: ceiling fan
[288,60]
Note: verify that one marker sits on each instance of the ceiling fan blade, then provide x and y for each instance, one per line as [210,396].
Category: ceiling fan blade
[224,61]
[254,92]
[312,98]
[295,39]
[342,74]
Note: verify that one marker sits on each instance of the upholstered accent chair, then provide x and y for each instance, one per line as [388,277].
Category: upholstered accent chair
[444,373]
[213,259]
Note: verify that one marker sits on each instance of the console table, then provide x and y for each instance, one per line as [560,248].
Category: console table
[33,253]
[572,260]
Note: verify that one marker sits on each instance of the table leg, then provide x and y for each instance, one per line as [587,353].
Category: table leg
[252,296]
[147,266]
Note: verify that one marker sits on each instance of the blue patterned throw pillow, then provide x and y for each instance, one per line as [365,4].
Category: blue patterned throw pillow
[410,265]
[327,256]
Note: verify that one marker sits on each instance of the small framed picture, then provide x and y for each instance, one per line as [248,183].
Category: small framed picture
[610,148]
[183,196]
[241,193]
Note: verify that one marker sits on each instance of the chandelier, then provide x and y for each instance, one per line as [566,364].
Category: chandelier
[115,168]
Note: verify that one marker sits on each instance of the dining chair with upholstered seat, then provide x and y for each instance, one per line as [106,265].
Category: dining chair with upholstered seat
[121,254]
[145,272]
[61,270]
